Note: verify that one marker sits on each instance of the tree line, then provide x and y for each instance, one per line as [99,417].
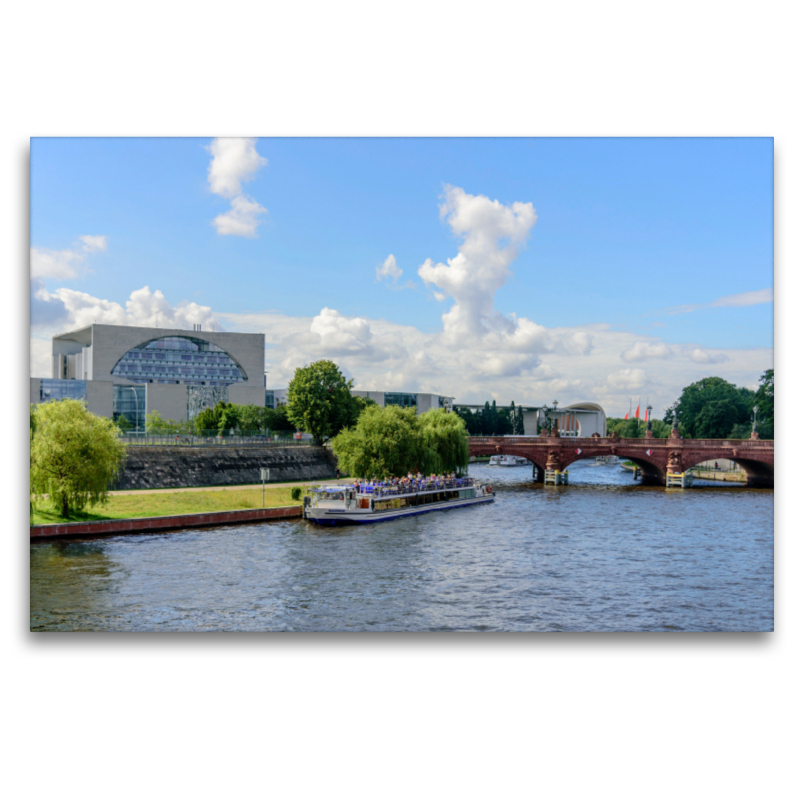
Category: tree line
[711,408]
[493,421]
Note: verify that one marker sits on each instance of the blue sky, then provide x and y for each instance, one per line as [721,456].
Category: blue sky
[642,263]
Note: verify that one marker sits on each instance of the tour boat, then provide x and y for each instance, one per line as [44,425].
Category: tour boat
[345,505]
[601,461]
[508,461]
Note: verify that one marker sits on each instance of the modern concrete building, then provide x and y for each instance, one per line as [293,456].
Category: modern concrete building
[421,401]
[119,370]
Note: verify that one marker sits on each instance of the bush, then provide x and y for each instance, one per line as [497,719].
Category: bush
[296,492]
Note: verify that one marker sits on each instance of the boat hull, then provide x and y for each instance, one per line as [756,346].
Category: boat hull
[328,516]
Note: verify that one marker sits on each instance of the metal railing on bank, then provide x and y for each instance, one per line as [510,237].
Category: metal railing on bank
[215,439]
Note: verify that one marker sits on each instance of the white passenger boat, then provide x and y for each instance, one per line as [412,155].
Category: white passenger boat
[347,505]
[508,461]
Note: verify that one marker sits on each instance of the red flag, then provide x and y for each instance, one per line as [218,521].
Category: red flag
[626,416]
[636,415]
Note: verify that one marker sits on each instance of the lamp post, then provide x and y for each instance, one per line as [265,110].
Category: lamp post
[136,400]
[754,434]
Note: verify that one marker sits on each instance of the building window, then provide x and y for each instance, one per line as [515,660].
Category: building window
[402,399]
[171,353]
[129,402]
[60,389]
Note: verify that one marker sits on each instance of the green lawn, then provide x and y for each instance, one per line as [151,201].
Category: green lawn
[162,504]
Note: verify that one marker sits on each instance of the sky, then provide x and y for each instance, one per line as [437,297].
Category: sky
[533,270]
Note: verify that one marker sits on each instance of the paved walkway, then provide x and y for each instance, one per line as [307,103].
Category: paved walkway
[228,488]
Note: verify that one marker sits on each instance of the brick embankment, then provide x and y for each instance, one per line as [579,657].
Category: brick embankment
[116,527]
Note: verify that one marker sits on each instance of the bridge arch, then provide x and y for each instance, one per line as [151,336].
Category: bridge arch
[758,468]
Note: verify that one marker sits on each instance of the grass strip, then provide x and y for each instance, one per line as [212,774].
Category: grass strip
[163,504]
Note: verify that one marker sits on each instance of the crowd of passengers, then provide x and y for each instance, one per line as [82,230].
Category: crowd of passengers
[410,483]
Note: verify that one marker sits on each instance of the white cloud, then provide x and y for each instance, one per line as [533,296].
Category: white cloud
[242,219]
[704,357]
[64,265]
[233,162]
[92,244]
[145,308]
[642,351]
[388,269]
[742,299]
[492,234]
[627,379]
[745,299]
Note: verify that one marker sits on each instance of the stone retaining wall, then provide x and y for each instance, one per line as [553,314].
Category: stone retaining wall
[169,467]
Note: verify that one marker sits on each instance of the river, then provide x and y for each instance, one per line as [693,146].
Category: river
[602,554]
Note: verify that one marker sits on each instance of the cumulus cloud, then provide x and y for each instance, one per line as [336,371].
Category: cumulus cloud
[626,379]
[145,308]
[491,234]
[642,351]
[388,269]
[234,162]
[63,265]
[704,357]
[241,220]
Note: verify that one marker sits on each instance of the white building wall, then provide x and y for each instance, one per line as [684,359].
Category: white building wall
[169,399]
[100,398]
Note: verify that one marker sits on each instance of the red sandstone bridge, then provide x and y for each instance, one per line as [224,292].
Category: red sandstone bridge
[656,457]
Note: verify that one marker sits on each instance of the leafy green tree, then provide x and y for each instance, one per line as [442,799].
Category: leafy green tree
[384,442]
[716,419]
[320,402]
[74,456]
[156,425]
[230,419]
[518,421]
[123,424]
[252,419]
[708,391]
[445,435]
[277,420]
[208,420]
[765,401]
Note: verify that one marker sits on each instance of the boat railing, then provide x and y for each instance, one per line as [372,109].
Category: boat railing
[417,486]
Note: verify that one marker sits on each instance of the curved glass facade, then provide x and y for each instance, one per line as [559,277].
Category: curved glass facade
[179,359]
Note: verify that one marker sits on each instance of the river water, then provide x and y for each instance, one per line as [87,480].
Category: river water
[602,554]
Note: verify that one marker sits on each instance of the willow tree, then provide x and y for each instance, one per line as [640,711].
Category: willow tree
[384,442]
[445,435]
[392,441]
[74,455]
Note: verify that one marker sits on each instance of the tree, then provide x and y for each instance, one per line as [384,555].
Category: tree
[74,455]
[155,424]
[276,420]
[697,396]
[230,419]
[445,435]
[252,419]
[208,419]
[384,442]
[320,401]
[765,402]
[123,424]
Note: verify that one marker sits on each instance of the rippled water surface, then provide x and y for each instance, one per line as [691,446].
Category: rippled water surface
[602,554]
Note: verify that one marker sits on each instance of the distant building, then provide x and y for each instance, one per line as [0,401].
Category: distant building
[578,419]
[122,370]
[421,401]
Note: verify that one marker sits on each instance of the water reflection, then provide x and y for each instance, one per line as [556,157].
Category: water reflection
[602,553]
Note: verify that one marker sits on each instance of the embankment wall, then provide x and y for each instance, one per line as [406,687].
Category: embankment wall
[177,467]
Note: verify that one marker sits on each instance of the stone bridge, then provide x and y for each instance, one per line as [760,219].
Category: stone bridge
[656,457]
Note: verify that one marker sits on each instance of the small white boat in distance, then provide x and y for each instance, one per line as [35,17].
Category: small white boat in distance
[508,461]
[359,504]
